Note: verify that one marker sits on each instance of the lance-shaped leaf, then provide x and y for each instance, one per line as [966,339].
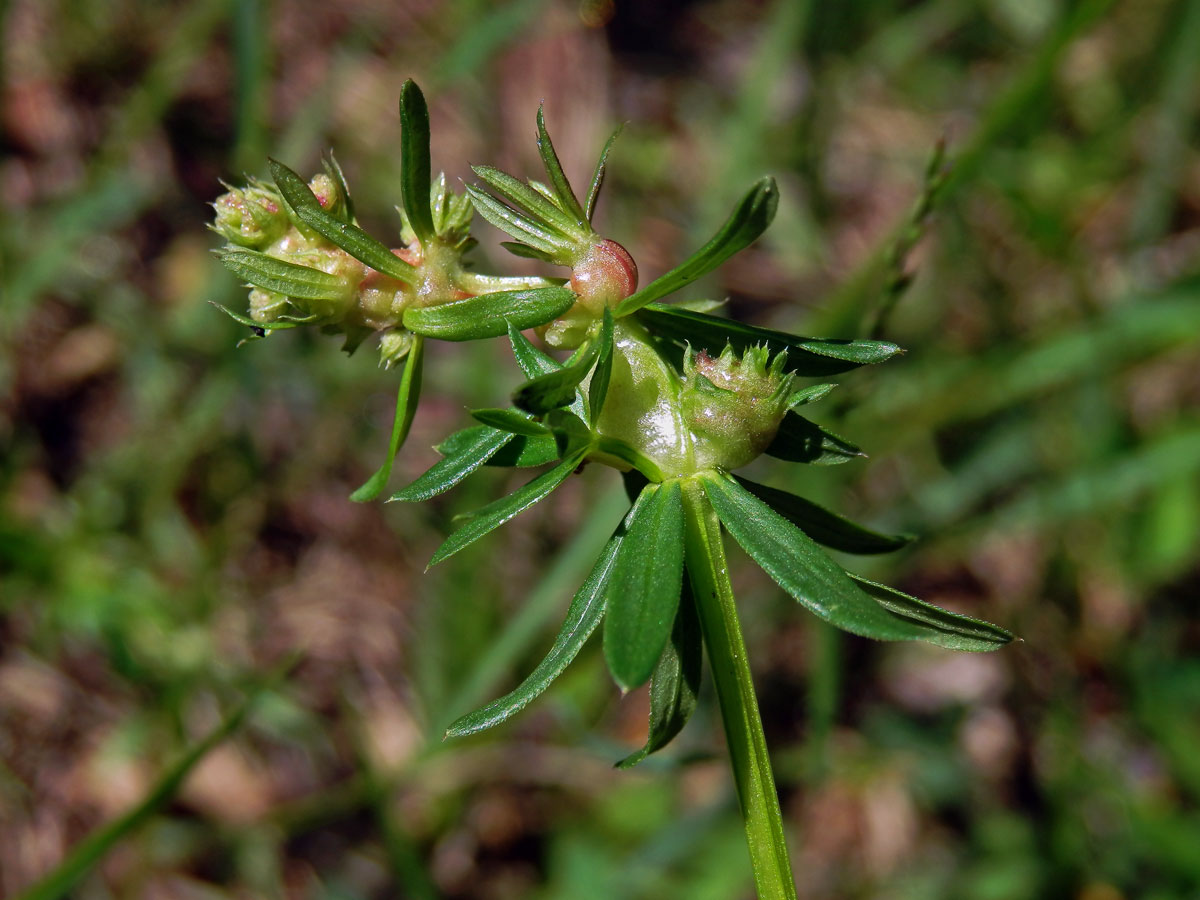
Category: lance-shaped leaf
[951,630]
[257,326]
[534,363]
[334,171]
[823,526]
[529,201]
[345,235]
[675,682]
[527,452]
[489,315]
[598,175]
[283,277]
[583,615]
[810,394]
[802,569]
[473,448]
[643,595]
[567,200]
[500,511]
[557,389]
[799,440]
[406,408]
[414,161]
[807,357]
[521,226]
[517,451]
[748,220]
[516,248]
[511,420]
[598,385]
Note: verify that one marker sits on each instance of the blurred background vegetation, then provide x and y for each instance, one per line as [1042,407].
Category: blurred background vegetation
[174,525]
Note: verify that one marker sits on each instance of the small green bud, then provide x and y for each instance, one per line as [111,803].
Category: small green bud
[251,217]
[733,406]
[328,194]
[267,306]
[394,345]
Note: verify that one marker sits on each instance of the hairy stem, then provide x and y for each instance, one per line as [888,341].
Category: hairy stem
[709,573]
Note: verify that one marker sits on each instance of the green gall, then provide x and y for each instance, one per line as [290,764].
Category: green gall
[252,217]
[733,405]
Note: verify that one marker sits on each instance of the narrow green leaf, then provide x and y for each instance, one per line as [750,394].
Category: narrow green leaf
[346,235]
[562,187]
[643,595]
[583,615]
[810,394]
[748,220]
[807,357]
[949,629]
[526,252]
[283,277]
[406,408]
[598,386]
[675,683]
[334,170]
[500,511]
[529,201]
[489,315]
[518,225]
[598,175]
[802,569]
[474,447]
[557,389]
[257,326]
[571,433]
[414,161]
[511,420]
[533,362]
[527,452]
[823,526]
[799,440]
[518,451]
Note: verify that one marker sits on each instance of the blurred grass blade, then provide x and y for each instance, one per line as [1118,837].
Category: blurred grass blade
[510,420]
[643,595]
[598,175]
[489,315]
[88,852]
[283,277]
[748,220]
[562,187]
[807,357]
[414,161]
[407,399]
[474,447]
[583,615]
[802,569]
[598,386]
[823,526]
[348,236]
[956,631]
[799,440]
[675,683]
[500,511]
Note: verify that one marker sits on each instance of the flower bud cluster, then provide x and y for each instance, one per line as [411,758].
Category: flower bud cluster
[733,405]
[258,218]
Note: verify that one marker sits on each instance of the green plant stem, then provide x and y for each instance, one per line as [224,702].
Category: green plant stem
[709,573]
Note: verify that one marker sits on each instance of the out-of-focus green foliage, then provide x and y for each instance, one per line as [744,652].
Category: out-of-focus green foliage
[173,518]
